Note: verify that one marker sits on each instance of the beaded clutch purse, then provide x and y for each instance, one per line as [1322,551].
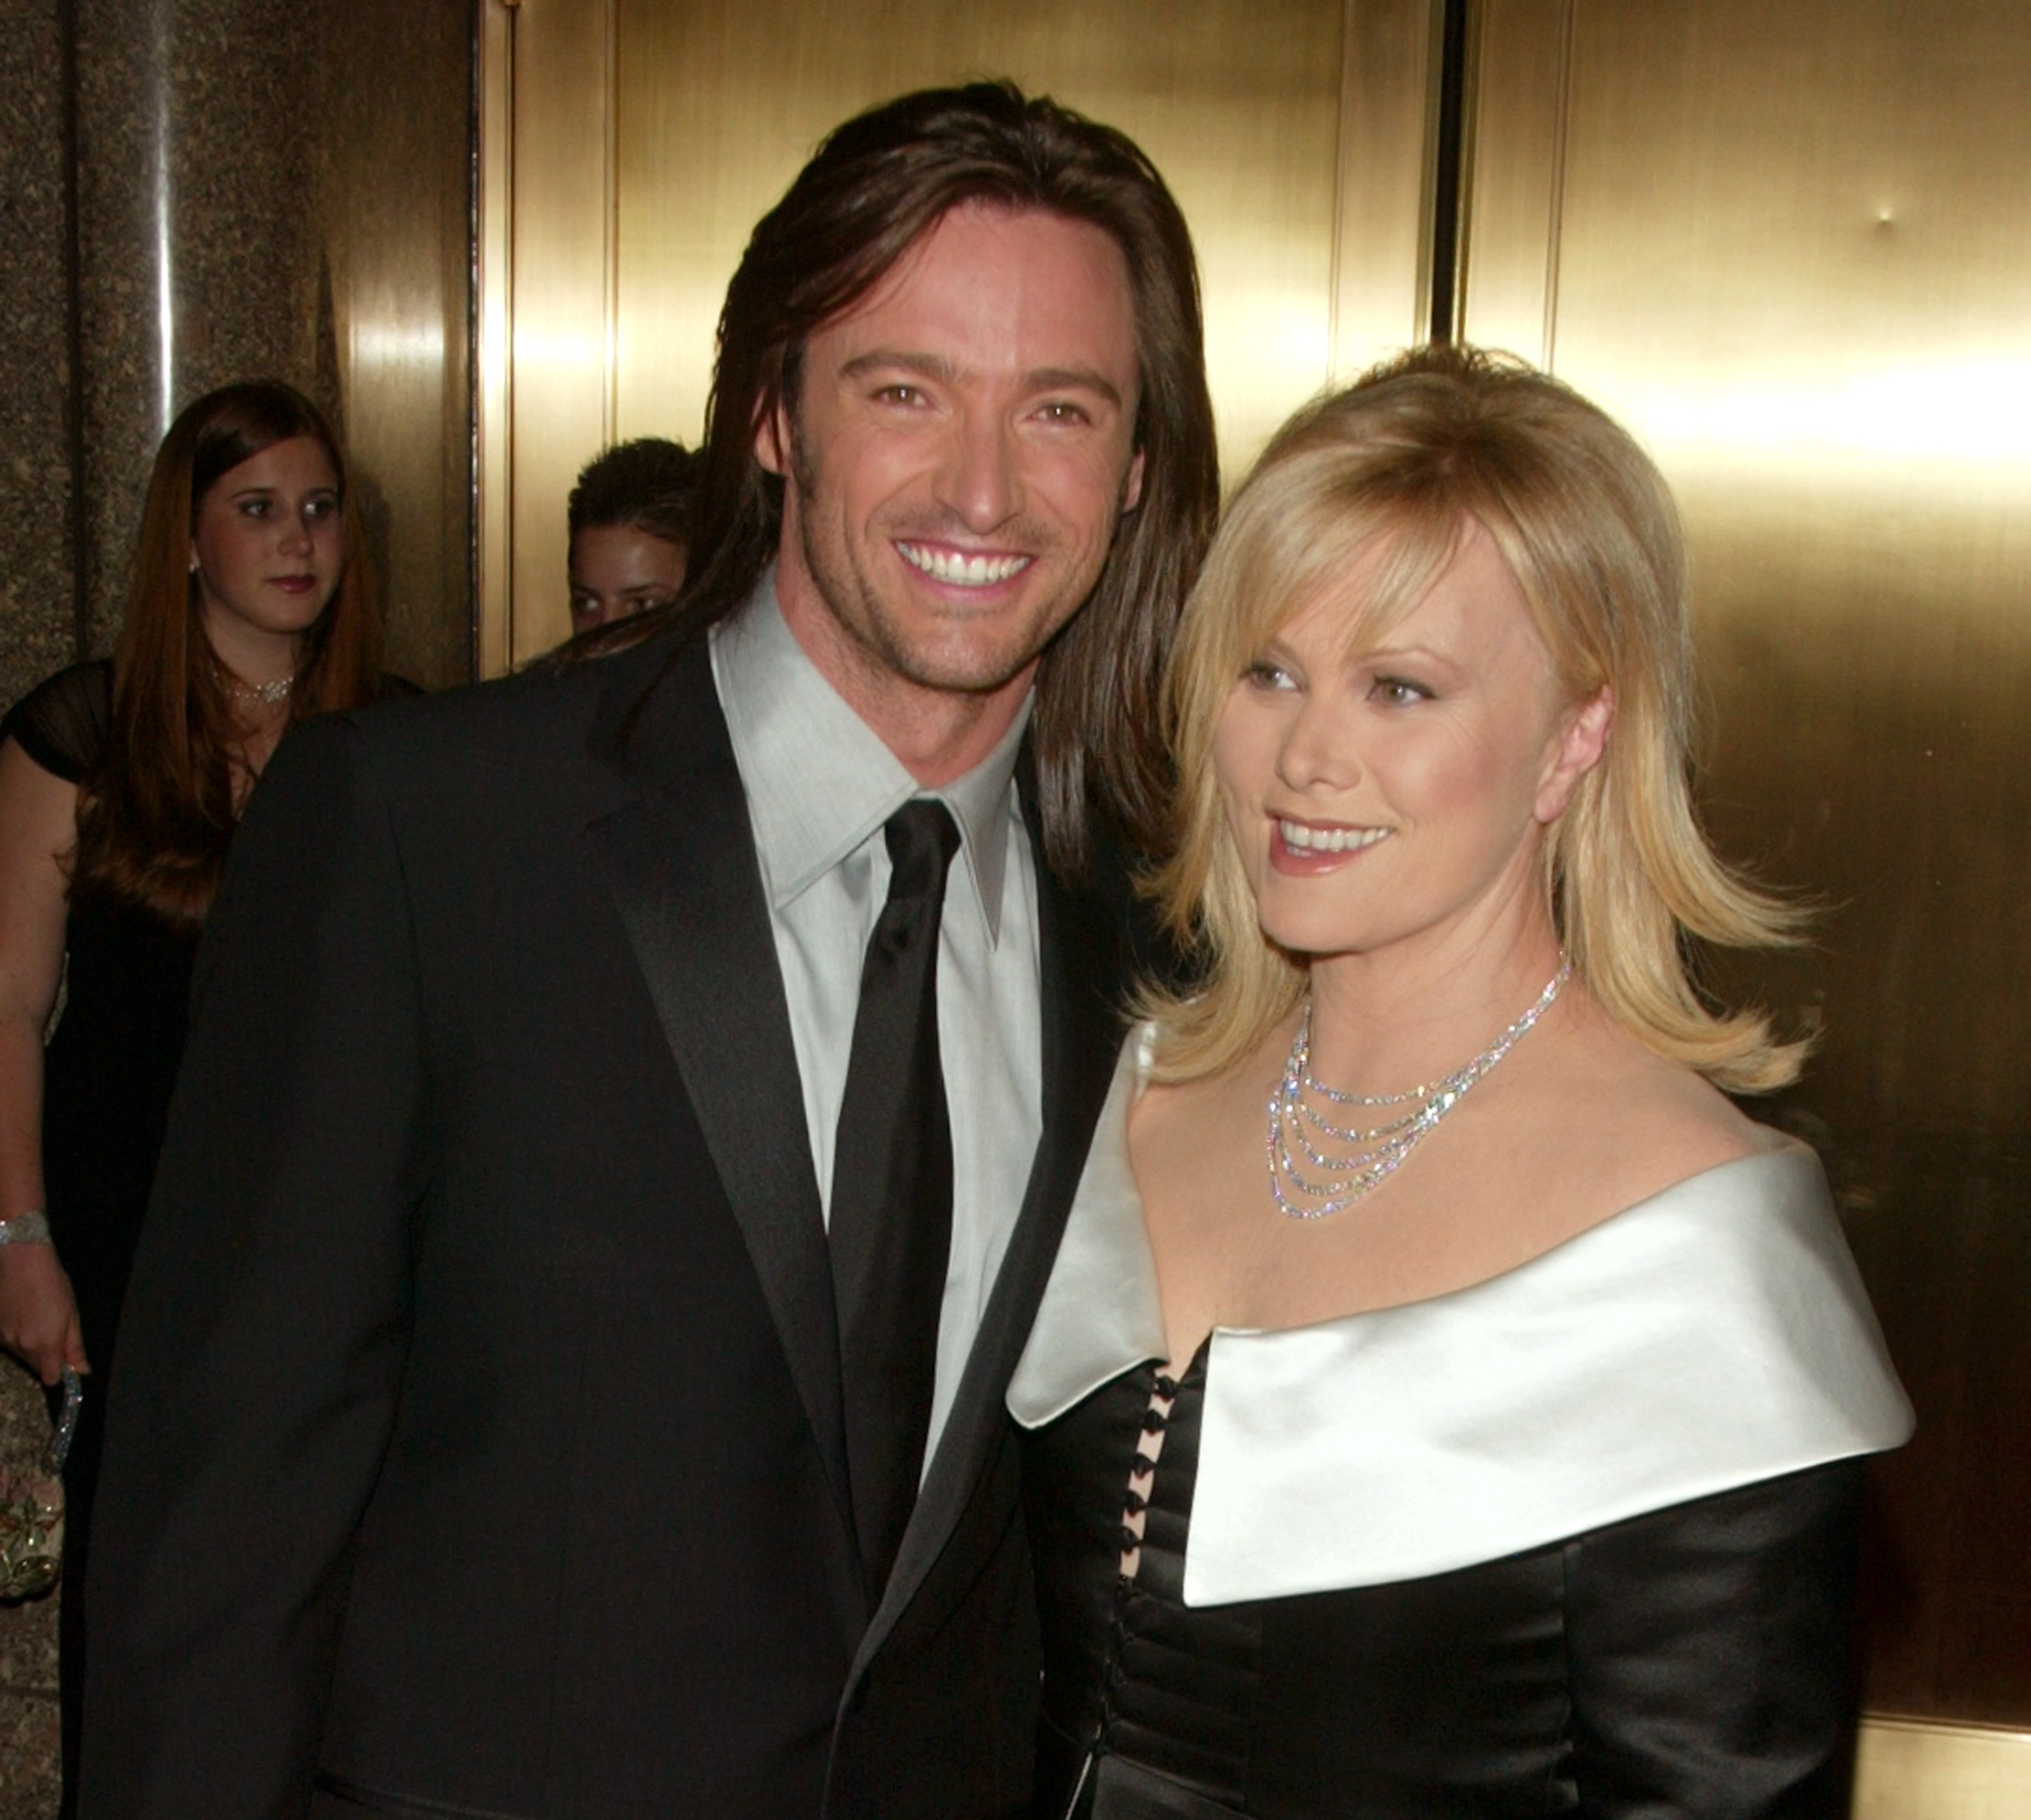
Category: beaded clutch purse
[31,1509]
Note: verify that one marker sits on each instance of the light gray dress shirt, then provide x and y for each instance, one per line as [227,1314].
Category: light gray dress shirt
[820,785]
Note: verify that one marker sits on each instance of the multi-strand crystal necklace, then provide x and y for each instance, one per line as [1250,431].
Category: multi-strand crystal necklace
[1318,1167]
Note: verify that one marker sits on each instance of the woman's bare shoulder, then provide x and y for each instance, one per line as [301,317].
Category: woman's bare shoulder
[1188,1114]
[1597,1125]
[1622,1123]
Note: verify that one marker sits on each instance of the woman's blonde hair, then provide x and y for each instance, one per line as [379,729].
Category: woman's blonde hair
[1390,471]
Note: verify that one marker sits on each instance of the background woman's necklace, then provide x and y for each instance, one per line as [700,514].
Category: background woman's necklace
[1311,1182]
[267,693]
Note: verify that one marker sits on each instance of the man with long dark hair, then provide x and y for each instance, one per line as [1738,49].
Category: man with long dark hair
[631,1111]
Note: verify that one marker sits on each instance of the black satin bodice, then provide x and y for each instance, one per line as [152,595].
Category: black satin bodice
[1688,1662]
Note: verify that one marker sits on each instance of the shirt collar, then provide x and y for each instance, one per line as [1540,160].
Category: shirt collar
[819,779]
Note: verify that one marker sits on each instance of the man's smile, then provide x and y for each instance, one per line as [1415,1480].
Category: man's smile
[958,569]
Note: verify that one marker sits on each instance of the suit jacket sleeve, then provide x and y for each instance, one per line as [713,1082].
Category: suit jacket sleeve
[1710,1655]
[264,1336]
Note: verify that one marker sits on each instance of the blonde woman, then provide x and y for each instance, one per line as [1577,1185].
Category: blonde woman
[1446,1401]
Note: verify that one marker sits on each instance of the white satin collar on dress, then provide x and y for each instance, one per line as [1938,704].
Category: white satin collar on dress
[1713,1336]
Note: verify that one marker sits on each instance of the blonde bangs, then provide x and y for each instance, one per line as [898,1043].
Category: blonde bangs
[1385,475]
[1308,526]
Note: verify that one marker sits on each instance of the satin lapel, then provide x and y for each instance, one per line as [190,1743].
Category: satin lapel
[1080,968]
[679,860]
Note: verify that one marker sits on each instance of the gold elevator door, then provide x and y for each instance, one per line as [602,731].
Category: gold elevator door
[1786,244]
[629,147]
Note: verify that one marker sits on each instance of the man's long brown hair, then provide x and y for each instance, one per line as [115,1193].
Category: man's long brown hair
[156,815]
[875,187]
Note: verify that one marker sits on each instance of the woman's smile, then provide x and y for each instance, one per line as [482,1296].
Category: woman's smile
[1298,847]
[1381,788]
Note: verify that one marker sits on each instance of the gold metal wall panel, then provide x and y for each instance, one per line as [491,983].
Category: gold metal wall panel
[1388,124]
[394,166]
[1523,64]
[494,376]
[1783,243]
[1237,103]
[645,137]
[561,404]
[1906,1770]
[1786,245]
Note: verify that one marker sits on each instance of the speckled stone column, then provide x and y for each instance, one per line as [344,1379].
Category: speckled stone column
[29,1776]
[38,634]
[37,558]
[197,260]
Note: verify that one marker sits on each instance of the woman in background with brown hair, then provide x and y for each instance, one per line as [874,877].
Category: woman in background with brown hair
[252,606]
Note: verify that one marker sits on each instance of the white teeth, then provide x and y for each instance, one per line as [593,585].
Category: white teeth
[1308,839]
[962,571]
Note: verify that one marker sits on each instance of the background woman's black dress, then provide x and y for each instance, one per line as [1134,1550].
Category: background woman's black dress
[107,1075]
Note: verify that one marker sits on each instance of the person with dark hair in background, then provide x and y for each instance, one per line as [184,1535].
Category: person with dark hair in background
[252,606]
[631,1108]
[630,522]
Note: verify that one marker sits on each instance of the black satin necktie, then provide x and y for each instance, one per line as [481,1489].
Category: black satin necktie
[890,1229]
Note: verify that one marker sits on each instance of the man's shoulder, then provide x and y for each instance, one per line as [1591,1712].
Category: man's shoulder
[544,721]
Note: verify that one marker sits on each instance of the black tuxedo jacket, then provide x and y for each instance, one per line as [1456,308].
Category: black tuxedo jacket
[477,1448]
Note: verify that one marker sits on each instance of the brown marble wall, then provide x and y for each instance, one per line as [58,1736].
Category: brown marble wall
[29,1776]
[196,191]
[37,558]
[38,634]
[197,247]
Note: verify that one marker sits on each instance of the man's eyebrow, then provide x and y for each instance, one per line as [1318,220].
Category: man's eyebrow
[894,360]
[1075,379]
[937,366]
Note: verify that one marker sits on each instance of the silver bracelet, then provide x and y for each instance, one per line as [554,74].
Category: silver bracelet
[29,1228]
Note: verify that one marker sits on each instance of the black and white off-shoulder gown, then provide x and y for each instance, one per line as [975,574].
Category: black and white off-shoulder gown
[1578,1539]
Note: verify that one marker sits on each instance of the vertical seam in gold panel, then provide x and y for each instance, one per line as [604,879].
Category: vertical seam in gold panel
[494,450]
[1568,34]
[1470,114]
[610,304]
[511,448]
[1428,200]
[509,577]
[506,493]
[1341,153]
